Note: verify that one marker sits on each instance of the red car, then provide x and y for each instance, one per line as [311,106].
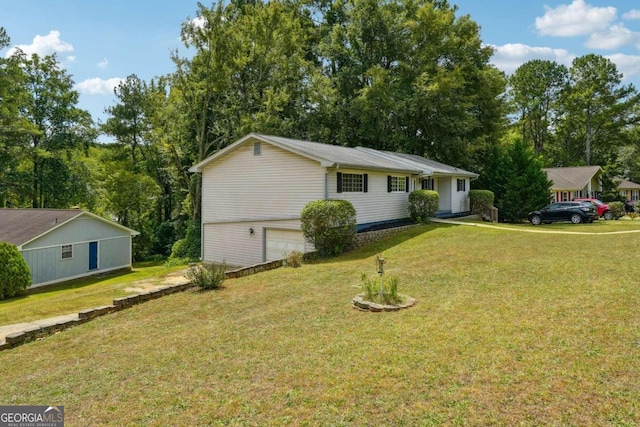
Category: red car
[601,207]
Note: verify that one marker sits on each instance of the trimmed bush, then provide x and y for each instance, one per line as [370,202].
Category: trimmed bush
[294,259]
[189,247]
[423,204]
[617,209]
[207,276]
[481,200]
[15,276]
[329,224]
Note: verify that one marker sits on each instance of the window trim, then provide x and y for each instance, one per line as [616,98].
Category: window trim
[461,183]
[257,149]
[343,178]
[66,249]
[394,184]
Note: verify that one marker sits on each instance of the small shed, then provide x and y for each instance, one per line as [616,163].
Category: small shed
[66,244]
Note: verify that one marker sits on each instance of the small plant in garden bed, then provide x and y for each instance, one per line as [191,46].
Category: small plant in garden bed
[207,276]
[371,287]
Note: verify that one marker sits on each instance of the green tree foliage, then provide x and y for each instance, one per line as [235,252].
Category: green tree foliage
[15,129]
[329,224]
[15,276]
[526,187]
[597,108]
[535,90]
[412,77]
[59,128]
[515,176]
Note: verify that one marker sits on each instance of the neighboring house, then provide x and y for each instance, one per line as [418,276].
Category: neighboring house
[580,181]
[65,244]
[254,190]
[628,189]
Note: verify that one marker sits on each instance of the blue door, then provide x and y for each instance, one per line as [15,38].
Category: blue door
[93,255]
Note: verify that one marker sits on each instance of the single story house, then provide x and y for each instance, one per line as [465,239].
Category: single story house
[254,190]
[66,244]
[628,189]
[572,182]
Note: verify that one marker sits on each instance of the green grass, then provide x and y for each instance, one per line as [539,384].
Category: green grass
[510,328]
[71,297]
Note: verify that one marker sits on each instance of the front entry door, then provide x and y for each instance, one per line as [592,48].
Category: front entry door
[93,255]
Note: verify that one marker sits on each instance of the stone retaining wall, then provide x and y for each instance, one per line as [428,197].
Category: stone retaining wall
[361,239]
[253,269]
[17,338]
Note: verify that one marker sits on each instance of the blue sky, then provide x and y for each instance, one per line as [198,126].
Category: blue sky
[100,43]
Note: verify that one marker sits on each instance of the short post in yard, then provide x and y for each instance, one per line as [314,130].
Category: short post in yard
[380,262]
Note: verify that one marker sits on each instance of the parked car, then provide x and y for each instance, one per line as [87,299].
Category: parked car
[601,207]
[576,212]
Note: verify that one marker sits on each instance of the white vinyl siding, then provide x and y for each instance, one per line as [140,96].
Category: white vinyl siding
[274,185]
[233,244]
[376,204]
[460,199]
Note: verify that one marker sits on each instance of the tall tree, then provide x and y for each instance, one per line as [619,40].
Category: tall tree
[59,126]
[597,108]
[14,128]
[535,90]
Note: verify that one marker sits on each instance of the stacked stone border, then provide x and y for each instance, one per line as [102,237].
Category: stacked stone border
[17,338]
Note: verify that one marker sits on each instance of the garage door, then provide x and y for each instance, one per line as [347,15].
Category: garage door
[281,242]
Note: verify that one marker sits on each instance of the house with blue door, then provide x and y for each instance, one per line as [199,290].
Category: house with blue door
[66,244]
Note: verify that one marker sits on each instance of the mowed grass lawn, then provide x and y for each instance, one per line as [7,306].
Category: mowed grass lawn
[77,295]
[510,328]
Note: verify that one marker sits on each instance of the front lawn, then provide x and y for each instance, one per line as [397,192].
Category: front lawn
[510,328]
[77,295]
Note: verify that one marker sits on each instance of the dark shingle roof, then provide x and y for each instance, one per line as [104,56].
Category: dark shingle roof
[19,226]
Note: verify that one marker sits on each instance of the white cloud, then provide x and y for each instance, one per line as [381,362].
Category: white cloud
[632,14]
[628,65]
[103,64]
[98,86]
[509,57]
[615,37]
[198,22]
[44,45]
[575,19]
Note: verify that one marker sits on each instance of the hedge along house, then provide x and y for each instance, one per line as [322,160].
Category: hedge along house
[66,244]
[254,190]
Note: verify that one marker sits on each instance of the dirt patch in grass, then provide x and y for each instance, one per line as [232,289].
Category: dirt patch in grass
[150,284]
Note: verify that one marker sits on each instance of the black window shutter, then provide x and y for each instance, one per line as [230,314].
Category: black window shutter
[388,183]
[365,182]
[406,184]
[339,182]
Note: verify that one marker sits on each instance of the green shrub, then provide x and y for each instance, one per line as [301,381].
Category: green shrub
[617,208]
[15,276]
[371,288]
[189,247]
[294,259]
[207,276]
[481,200]
[423,204]
[632,215]
[329,224]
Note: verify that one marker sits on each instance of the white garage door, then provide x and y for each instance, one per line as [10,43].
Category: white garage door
[281,242]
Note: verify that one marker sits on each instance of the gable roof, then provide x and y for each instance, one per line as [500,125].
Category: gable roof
[338,156]
[21,226]
[573,178]
[625,184]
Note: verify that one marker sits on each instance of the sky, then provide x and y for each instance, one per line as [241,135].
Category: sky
[101,42]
